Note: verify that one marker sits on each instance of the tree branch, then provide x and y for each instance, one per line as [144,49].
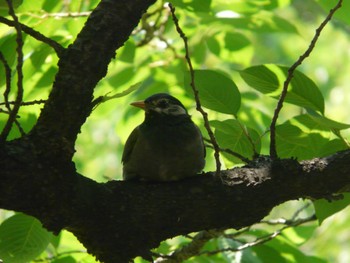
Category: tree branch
[13,112]
[119,220]
[273,152]
[83,64]
[196,93]
[8,81]
[35,34]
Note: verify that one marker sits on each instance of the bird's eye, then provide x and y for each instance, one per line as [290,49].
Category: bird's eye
[163,104]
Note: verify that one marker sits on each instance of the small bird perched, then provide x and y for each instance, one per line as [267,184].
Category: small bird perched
[167,146]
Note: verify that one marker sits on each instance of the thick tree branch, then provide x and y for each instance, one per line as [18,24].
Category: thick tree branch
[83,64]
[119,220]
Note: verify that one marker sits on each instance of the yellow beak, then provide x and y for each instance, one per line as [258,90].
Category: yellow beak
[139,104]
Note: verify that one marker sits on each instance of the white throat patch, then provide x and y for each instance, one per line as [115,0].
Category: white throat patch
[172,110]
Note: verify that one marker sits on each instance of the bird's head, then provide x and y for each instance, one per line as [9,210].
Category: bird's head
[162,104]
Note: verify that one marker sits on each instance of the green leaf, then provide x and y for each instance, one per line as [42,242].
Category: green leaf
[315,121]
[213,45]
[261,22]
[292,142]
[22,239]
[325,209]
[50,5]
[281,249]
[234,136]
[193,5]
[291,252]
[8,48]
[216,91]
[127,53]
[121,76]
[268,253]
[324,122]
[342,13]
[67,259]
[304,92]
[332,147]
[47,78]
[4,6]
[236,41]
[269,79]
[39,55]
[299,234]
[260,78]
[245,255]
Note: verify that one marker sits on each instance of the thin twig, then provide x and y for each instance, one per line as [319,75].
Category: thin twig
[283,221]
[96,102]
[4,111]
[262,239]
[19,97]
[8,81]
[191,249]
[196,95]
[35,34]
[19,127]
[25,103]
[229,151]
[273,151]
[59,255]
[246,134]
[60,15]
[201,238]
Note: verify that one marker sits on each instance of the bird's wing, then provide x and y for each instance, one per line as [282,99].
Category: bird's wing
[129,145]
[201,136]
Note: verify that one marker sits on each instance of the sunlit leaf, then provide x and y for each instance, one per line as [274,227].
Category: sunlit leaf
[127,53]
[314,121]
[47,78]
[261,78]
[66,259]
[269,79]
[290,252]
[4,6]
[121,76]
[268,253]
[193,5]
[234,136]
[258,22]
[49,5]
[22,238]
[236,41]
[293,142]
[300,234]
[213,46]
[325,209]
[245,255]
[342,13]
[216,91]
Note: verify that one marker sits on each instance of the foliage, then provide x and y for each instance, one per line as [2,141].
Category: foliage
[241,52]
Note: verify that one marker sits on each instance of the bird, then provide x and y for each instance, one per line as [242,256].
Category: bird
[166,146]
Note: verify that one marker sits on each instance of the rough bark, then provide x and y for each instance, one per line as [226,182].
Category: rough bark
[117,221]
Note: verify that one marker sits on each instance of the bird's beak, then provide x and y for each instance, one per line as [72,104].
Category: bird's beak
[139,104]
